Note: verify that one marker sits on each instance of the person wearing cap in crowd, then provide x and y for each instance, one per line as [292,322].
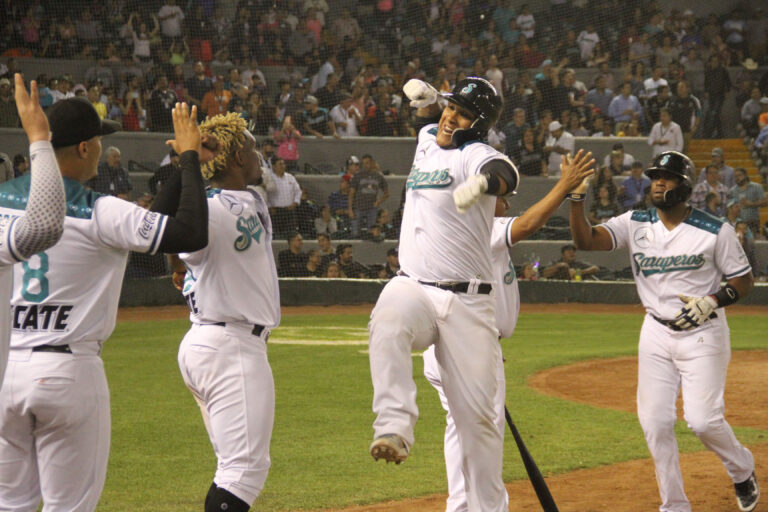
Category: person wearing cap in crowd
[9,114]
[751,198]
[750,112]
[345,116]
[725,172]
[559,142]
[55,444]
[711,183]
[314,119]
[112,179]
[352,167]
[392,266]
[63,89]
[617,150]
[733,212]
[568,266]
[216,101]
[665,135]
[632,190]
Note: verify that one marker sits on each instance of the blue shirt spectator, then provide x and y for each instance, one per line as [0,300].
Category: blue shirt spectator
[624,106]
[633,189]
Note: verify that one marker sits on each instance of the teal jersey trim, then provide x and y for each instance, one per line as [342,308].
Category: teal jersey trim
[703,220]
[210,192]
[645,215]
[80,200]
[469,143]
[432,131]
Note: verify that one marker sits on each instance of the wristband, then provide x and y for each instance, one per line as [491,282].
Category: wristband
[573,196]
[726,296]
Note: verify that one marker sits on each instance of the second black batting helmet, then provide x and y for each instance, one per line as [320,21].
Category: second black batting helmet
[478,96]
[677,164]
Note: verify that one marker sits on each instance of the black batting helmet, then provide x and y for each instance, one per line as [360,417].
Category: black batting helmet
[676,163]
[479,96]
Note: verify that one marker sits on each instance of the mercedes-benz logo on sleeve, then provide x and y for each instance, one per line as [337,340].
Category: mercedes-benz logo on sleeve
[643,237]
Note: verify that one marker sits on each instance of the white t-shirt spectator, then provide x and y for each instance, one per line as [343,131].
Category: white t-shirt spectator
[566,141]
[587,42]
[526,24]
[346,123]
[672,134]
[651,86]
[170,27]
[286,192]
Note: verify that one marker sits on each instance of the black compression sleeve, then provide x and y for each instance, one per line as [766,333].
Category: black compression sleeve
[420,122]
[497,171]
[726,296]
[167,201]
[187,229]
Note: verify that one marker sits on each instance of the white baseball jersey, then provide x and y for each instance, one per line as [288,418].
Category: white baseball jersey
[505,289]
[690,260]
[69,293]
[234,278]
[437,243]
[6,283]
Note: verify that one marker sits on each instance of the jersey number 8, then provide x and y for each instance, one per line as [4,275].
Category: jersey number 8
[37,274]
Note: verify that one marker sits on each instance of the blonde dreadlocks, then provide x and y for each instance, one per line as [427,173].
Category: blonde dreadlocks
[229,130]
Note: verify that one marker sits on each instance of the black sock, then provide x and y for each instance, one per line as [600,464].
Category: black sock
[220,500]
[208,496]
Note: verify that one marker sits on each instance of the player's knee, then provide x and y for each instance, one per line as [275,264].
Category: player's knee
[219,499]
[701,424]
[654,426]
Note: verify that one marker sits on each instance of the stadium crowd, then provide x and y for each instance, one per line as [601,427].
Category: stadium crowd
[657,73]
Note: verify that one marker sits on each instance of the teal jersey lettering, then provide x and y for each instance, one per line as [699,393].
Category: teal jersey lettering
[650,265]
[428,179]
[251,230]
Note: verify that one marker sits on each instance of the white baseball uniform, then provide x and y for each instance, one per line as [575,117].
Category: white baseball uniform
[37,231]
[439,245]
[232,291]
[54,409]
[507,296]
[691,260]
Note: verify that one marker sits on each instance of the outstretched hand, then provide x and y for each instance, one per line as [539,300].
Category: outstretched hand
[32,117]
[185,128]
[575,171]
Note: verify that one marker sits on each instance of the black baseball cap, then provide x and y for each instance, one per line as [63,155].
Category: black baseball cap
[74,120]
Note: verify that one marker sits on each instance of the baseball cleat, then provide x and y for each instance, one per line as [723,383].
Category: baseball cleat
[389,447]
[747,494]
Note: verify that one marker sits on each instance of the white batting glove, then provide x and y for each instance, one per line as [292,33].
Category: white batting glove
[469,192]
[695,312]
[420,93]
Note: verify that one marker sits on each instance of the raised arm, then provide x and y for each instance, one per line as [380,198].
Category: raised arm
[586,237]
[42,225]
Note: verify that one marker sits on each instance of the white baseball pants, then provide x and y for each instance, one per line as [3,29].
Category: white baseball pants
[410,316]
[696,361]
[227,371]
[54,430]
[457,495]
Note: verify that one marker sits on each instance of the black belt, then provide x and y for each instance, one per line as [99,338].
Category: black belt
[456,286]
[671,323]
[61,349]
[256,331]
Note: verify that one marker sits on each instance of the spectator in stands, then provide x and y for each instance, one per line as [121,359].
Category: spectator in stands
[685,109]
[63,89]
[530,158]
[313,266]
[717,83]
[603,207]
[88,29]
[333,271]
[287,139]
[600,96]
[9,115]
[284,200]
[6,168]
[654,105]
[142,37]
[526,22]
[751,198]
[388,230]
[713,206]
[345,26]
[641,50]
[392,266]
[651,84]
[725,172]
[99,73]
[367,190]
[733,212]
[568,267]
[162,174]
[747,242]
[302,41]
[513,132]
[306,213]
[94,96]
[625,107]
[171,17]
[381,119]
[20,165]
[347,264]
[587,41]
[710,184]
[160,106]
[330,94]
[315,119]
[198,85]
[604,176]
[292,261]
[338,201]
[665,135]
[750,112]
[633,189]
[558,143]
[327,253]
[216,101]
[326,223]
[345,116]
[112,179]
[619,160]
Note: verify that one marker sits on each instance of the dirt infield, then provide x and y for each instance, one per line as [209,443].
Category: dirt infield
[624,487]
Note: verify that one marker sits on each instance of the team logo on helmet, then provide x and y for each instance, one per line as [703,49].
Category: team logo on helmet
[664,160]
[468,89]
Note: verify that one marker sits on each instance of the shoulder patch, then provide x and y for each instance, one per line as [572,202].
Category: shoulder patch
[703,220]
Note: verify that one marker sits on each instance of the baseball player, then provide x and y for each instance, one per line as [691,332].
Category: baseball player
[442,296]
[506,232]
[679,255]
[41,226]
[232,292]
[54,409]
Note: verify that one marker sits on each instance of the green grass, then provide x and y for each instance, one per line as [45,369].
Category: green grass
[161,458]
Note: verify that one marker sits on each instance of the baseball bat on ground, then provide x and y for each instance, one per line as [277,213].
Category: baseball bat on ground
[537,480]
